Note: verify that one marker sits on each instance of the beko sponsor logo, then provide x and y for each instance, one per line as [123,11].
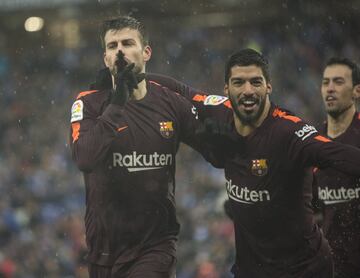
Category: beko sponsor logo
[332,196]
[243,194]
[135,162]
[305,132]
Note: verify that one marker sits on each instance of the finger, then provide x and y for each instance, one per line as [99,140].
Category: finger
[120,61]
[140,77]
[132,81]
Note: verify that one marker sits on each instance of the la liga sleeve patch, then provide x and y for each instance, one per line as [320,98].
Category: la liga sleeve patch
[214,100]
[77,112]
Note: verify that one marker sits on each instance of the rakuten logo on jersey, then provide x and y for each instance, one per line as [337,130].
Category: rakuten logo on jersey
[246,196]
[340,195]
[305,132]
[142,162]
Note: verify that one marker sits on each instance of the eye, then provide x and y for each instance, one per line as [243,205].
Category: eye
[128,43]
[237,82]
[112,45]
[339,81]
[256,83]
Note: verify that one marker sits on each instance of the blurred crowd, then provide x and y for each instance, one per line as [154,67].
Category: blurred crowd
[42,192]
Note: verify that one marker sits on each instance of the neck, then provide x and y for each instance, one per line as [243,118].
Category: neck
[338,125]
[246,129]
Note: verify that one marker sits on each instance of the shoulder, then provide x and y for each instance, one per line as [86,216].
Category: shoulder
[165,93]
[88,102]
[291,124]
[92,95]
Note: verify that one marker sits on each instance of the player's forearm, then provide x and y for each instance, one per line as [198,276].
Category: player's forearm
[344,158]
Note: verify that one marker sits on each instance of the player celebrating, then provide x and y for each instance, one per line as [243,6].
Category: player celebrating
[269,182]
[340,193]
[124,139]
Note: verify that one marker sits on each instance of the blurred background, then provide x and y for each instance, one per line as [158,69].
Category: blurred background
[50,50]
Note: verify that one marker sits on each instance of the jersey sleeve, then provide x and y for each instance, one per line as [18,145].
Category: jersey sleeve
[207,105]
[189,125]
[92,132]
[174,85]
[308,148]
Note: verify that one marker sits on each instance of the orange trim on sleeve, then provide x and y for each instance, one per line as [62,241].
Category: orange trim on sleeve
[228,104]
[199,98]
[292,118]
[85,93]
[75,131]
[322,139]
[282,114]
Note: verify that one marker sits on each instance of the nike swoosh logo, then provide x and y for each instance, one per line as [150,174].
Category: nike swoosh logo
[122,128]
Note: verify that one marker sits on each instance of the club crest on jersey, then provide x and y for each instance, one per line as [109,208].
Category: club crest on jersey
[214,100]
[166,129]
[259,167]
[77,111]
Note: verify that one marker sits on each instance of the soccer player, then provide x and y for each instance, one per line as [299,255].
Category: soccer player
[269,177]
[124,140]
[340,193]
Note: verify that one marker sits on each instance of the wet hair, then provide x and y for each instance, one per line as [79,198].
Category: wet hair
[355,71]
[121,23]
[247,57]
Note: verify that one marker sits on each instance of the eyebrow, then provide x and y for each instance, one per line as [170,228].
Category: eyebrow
[256,78]
[333,78]
[122,41]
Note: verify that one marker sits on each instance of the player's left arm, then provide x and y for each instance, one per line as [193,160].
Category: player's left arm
[309,148]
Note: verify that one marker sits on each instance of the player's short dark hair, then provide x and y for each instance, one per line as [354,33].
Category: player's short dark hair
[121,23]
[355,71]
[247,57]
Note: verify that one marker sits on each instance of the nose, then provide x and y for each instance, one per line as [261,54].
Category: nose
[248,90]
[331,87]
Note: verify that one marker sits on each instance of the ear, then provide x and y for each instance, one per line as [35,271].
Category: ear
[106,60]
[147,53]
[226,90]
[268,88]
[356,92]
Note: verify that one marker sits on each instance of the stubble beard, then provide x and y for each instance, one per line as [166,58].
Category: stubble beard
[251,118]
[337,112]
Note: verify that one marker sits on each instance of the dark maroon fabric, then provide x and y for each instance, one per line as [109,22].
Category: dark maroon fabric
[152,263]
[127,155]
[340,196]
[269,184]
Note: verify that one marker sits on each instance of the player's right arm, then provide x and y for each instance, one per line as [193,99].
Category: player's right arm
[207,105]
[93,128]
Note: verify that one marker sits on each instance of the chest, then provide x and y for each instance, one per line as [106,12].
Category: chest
[147,128]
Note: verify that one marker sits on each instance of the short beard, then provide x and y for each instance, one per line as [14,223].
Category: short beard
[251,118]
[337,113]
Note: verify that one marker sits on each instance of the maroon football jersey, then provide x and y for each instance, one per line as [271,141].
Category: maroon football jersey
[127,155]
[269,184]
[340,195]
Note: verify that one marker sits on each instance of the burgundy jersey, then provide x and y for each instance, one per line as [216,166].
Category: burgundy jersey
[340,195]
[127,155]
[269,184]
